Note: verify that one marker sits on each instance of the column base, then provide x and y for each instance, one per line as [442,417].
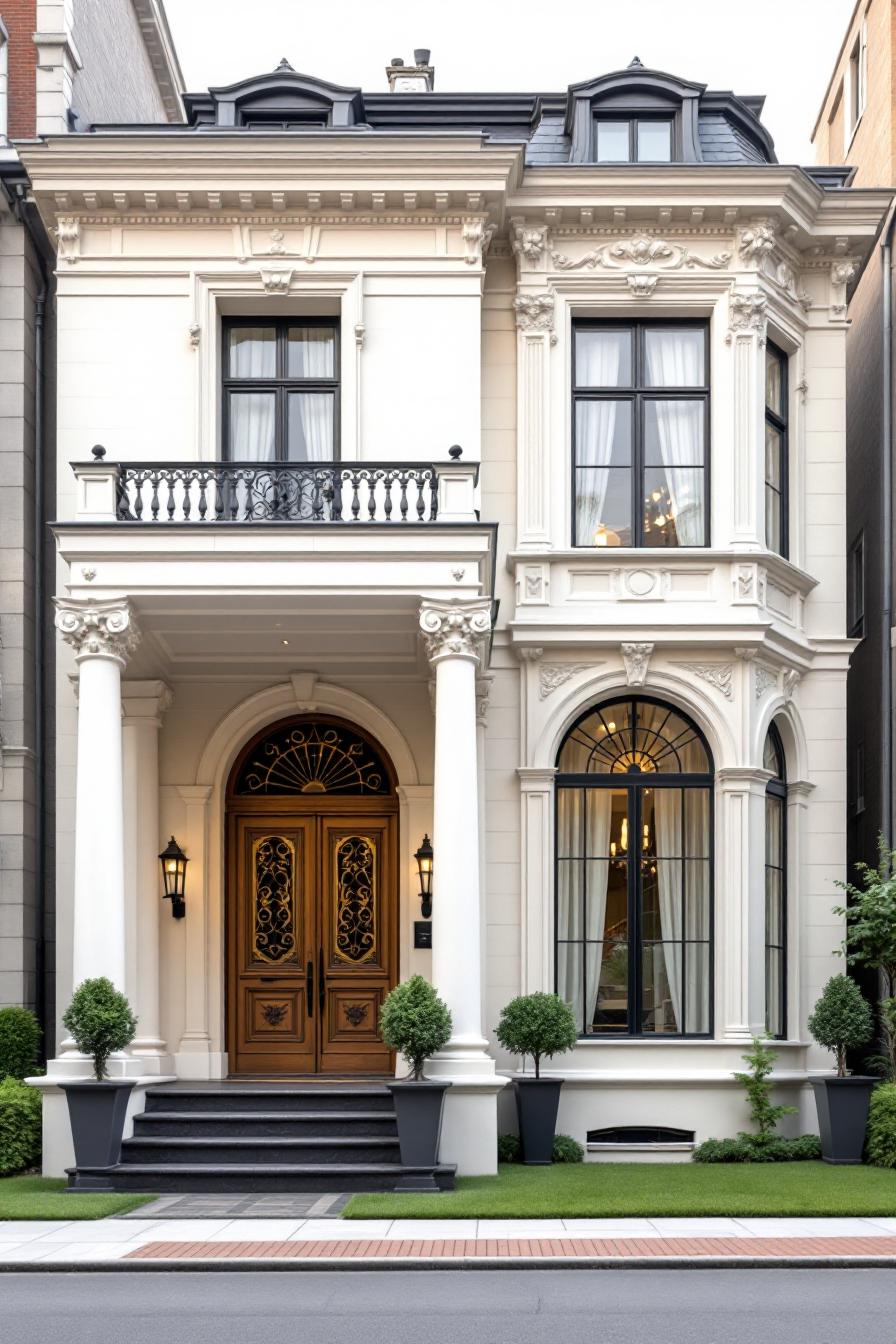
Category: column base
[153,1055]
[463,1057]
[470,1117]
[72,1064]
[195,1060]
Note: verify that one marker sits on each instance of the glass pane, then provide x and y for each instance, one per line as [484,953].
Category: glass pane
[696,823]
[654,141]
[600,876]
[310,426]
[673,433]
[600,744]
[612,142]
[774,907]
[661,987]
[774,456]
[569,820]
[666,742]
[771,757]
[651,922]
[696,877]
[607,974]
[774,827]
[774,382]
[252,421]
[603,507]
[570,978]
[603,358]
[603,433]
[603,810]
[253,352]
[569,899]
[675,357]
[311,352]
[674,506]
[774,992]
[696,987]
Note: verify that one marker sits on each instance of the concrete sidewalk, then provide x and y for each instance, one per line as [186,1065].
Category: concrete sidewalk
[135,1243]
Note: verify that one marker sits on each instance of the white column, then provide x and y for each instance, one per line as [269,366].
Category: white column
[102,634]
[194,1052]
[537,827]
[740,902]
[746,488]
[455,634]
[144,704]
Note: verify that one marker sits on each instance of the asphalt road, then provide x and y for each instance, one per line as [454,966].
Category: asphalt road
[700,1306]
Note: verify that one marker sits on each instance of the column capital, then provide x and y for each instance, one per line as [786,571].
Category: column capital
[742,778]
[98,629]
[455,629]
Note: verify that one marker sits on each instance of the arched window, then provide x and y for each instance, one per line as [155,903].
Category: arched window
[634,872]
[775,887]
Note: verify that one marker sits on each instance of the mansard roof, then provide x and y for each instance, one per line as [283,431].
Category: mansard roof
[711,126]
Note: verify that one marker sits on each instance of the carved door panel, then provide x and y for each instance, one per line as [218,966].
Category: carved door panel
[272,1008]
[357,953]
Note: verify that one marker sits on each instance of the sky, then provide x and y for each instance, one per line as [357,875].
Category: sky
[782,48]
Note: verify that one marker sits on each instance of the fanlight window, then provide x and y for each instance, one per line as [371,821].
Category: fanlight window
[633,737]
[309,758]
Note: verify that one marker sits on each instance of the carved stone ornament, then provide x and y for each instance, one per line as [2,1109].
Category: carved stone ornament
[98,629]
[746,313]
[717,674]
[766,678]
[757,241]
[476,234]
[483,691]
[68,238]
[276,279]
[530,654]
[535,312]
[636,658]
[551,676]
[791,681]
[454,630]
[785,277]
[841,274]
[640,251]
[529,241]
[194,332]
[642,286]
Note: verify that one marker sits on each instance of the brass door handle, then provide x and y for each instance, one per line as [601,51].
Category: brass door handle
[322,984]
[309,986]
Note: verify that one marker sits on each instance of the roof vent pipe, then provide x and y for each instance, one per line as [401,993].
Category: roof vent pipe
[416,78]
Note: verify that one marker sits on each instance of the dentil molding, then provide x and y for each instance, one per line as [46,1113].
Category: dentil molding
[454,629]
[98,629]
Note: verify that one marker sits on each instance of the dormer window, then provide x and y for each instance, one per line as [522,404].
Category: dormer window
[633,140]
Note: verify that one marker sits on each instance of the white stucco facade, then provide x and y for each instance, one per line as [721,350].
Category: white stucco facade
[456,274]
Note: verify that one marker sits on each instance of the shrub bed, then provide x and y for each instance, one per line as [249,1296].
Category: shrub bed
[20,1127]
[881,1140]
[19,1042]
[749,1148]
[566,1149]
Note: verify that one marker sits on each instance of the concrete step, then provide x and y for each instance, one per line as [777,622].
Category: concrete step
[257,1150]
[265,1124]
[246,1098]
[292,1178]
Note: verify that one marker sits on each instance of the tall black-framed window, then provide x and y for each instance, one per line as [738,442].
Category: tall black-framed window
[640,434]
[633,886]
[280,389]
[644,139]
[775,887]
[776,464]
[855,589]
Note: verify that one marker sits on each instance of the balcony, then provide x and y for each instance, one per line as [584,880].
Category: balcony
[235,493]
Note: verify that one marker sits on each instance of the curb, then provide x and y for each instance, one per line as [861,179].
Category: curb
[420,1264]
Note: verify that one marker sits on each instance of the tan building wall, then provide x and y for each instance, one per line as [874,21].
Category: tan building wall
[868,145]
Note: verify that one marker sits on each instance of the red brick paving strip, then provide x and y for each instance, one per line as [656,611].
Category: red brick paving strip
[530,1247]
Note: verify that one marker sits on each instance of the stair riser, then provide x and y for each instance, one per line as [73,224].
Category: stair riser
[292,1103]
[260,1183]
[244,1127]
[247,1152]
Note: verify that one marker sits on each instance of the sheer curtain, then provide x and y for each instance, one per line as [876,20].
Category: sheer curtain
[680,919]
[578,973]
[674,359]
[597,365]
[667,819]
[599,803]
[311,356]
[252,418]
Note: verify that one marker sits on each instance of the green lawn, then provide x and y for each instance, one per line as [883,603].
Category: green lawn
[24,1198]
[640,1189]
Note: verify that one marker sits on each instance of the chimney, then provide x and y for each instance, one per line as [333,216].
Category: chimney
[416,78]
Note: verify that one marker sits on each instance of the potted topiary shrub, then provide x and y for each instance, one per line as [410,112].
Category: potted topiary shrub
[415,1022]
[842,1021]
[538,1025]
[100,1021]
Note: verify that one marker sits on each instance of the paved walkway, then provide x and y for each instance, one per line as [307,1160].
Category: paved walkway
[133,1242]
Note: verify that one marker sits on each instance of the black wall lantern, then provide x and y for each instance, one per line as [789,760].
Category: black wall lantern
[424,858]
[174,875]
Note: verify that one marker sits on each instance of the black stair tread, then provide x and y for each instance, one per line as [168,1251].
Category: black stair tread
[263,1117]
[253,1168]
[269,1089]
[263,1141]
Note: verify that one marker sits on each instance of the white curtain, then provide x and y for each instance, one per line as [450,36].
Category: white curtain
[252,413]
[695,928]
[578,975]
[311,356]
[667,819]
[599,804]
[597,365]
[674,359]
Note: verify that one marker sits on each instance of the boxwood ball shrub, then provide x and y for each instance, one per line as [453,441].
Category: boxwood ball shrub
[100,1021]
[20,1128]
[19,1042]
[538,1025]
[881,1140]
[415,1022]
[842,1019]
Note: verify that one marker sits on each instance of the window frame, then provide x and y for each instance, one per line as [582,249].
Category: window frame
[779,421]
[634,784]
[776,788]
[631,119]
[637,393]
[281,384]
[855,588]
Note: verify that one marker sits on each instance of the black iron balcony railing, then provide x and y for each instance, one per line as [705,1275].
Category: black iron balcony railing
[248,492]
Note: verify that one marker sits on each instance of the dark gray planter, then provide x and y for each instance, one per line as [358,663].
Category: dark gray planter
[418,1109]
[842,1105]
[97,1113]
[537,1100]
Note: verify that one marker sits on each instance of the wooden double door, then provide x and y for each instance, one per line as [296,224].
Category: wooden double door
[312,914]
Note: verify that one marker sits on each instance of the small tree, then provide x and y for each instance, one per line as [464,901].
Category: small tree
[100,1020]
[19,1042]
[537,1025]
[842,1019]
[870,915]
[760,1061]
[415,1022]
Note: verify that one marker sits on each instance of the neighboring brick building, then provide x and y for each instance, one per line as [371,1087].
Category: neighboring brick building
[63,65]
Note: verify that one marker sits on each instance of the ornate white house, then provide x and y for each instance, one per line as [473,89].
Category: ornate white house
[461,465]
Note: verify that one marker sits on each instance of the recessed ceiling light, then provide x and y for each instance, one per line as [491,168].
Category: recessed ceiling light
[284,641]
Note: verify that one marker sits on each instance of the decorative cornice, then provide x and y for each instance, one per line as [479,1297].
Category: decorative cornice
[551,676]
[455,629]
[98,629]
[535,312]
[636,658]
[639,251]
